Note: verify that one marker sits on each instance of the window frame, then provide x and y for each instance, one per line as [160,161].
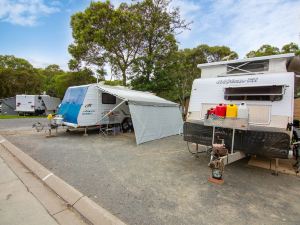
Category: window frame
[108,102]
[265,95]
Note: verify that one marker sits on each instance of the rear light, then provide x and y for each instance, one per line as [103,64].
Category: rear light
[32,106]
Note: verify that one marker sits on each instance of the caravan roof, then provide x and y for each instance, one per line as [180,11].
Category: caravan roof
[257,65]
[144,98]
[133,96]
[280,56]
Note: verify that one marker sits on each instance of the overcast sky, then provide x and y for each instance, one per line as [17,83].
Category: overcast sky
[39,30]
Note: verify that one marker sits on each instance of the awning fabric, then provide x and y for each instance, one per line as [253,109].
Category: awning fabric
[152,117]
[138,97]
[154,122]
[51,103]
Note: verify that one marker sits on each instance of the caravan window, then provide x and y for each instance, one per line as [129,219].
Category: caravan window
[75,95]
[255,66]
[256,93]
[108,99]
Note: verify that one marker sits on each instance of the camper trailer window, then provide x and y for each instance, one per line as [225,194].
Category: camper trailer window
[256,93]
[256,66]
[108,99]
[74,95]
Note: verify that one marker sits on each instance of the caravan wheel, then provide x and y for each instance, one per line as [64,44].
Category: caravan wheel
[127,125]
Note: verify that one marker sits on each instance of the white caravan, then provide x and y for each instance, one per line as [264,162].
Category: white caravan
[150,116]
[36,104]
[267,88]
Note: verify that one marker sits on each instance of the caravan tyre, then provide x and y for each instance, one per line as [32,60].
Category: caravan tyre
[127,125]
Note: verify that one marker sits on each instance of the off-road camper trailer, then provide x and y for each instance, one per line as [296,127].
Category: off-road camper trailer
[265,85]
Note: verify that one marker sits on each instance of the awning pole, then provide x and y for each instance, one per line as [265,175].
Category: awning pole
[112,110]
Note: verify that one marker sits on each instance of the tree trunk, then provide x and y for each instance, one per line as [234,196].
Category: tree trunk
[124,77]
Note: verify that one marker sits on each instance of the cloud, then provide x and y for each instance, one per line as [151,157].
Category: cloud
[25,12]
[243,25]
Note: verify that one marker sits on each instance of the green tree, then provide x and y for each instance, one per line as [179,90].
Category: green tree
[160,25]
[17,76]
[264,50]
[173,75]
[49,74]
[12,62]
[14,82]
[113,82]
[291,48]
[64,80]
[104,34]
[131,38]
[53,69]
[215,53]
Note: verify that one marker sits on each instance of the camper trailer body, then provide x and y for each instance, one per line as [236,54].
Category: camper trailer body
[36,104]
[87,105]
[267,110]
[264,84]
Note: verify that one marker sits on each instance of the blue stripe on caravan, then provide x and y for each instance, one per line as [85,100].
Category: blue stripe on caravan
[71,104]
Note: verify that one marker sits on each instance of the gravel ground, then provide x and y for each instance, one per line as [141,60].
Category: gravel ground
[160,182]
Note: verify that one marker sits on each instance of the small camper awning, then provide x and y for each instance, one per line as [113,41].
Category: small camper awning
[152,117]
[136,97]
[51,103]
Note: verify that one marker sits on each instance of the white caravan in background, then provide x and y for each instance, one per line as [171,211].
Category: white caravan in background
[36,104]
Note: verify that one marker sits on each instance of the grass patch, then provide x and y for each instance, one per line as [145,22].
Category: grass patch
[19,117]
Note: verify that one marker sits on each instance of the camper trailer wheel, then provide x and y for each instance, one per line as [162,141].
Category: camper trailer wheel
[127,125]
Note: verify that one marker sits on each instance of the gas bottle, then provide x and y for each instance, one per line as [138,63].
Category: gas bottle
[243,111]
[231,111]
[221,110]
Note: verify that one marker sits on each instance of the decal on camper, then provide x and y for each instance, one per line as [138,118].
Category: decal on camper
[238,81]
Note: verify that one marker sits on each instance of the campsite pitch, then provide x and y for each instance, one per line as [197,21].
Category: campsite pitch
[159,182]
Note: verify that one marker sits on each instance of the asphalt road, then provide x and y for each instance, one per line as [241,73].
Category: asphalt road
[19,124]
[160,182]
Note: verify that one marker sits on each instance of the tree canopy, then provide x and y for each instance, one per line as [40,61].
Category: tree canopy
[266,50]
[173,76]
[131,37]
[12,62]
[18,76]
[138,41]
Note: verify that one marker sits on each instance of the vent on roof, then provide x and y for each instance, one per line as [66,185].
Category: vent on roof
[248,67]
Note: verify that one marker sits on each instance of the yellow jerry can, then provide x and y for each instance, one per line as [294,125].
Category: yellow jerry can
[231,111]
